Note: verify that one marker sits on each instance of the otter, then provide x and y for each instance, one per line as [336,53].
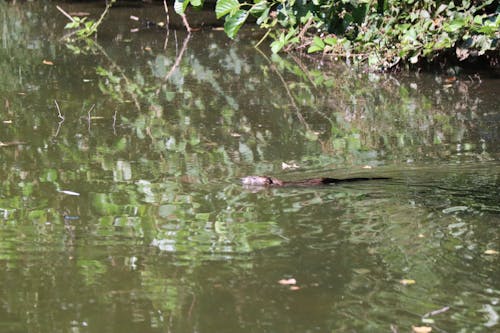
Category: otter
[275,182]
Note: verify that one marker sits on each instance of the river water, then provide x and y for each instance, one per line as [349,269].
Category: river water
[121,208]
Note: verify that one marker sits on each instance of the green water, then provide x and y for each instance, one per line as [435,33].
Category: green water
[125,213]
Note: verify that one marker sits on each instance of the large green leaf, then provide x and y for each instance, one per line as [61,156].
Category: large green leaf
[258,7]
[180,6]
[224,7]
[317,45]
[455,25]
[234,22]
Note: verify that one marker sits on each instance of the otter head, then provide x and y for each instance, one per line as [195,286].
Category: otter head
[261,181]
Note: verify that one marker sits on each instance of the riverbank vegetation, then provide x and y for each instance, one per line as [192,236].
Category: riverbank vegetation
[382,34]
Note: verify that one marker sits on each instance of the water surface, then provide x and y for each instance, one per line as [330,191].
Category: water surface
[123,211]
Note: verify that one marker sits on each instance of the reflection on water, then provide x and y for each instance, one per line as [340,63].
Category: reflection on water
[157,130]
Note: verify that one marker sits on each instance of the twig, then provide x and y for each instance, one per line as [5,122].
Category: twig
[122,73]
[65,13]
[305,28]
[11,143]
[88,114]
[186,23]
[300,35]
[263,38]
[289,93]
[148,132]
[59,111]
[103,15]
[303,45]
[58,128]
[436,312]
[60,117]
[166,12]
[304,69]
[114,122]
[165,44]
[192,306]
[176,63]
[94,27]
[176,43]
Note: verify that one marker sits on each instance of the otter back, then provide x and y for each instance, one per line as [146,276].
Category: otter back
[275,182]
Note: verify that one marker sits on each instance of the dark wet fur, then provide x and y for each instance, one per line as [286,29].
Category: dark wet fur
[274,182]
[326,181]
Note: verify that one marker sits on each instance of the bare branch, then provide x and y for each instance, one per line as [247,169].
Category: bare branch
[60,117]
[59,111]
[65,13]
[186,23]
[168,24]
[88,115]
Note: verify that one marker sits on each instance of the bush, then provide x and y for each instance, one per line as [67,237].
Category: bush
[382,33]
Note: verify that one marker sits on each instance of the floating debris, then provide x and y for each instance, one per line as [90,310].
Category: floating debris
[69,192]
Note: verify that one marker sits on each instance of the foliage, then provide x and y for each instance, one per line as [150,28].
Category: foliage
[235,13]
[381,33]
[82,27]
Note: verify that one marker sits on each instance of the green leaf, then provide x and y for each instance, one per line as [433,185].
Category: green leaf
[120,145]
[317,45]
[234,22]
[263,17]
[180,6]
[487,30]
[331,40]
[293,40]
[289,35]
[259,7]
[196,3]
[277,45]
[314,48]
[71,25]
[319,42]
[478,19]
[454,25]
[224,7]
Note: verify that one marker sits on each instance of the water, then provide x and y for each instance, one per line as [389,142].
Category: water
[128,214]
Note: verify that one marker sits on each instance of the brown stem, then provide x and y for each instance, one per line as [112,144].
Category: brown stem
[305,28]
[186,23]
[168,24]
